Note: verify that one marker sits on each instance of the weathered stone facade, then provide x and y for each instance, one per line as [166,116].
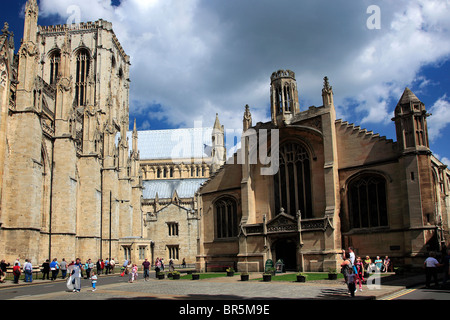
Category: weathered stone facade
[70,187]
[336,186]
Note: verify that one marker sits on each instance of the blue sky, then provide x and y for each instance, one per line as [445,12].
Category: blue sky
[192,59]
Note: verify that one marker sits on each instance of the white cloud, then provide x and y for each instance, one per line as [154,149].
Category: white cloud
[446,161]
[439,119]
[199,57]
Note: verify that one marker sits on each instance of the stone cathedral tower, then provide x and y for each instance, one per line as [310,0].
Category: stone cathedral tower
[71,187]
[284,96]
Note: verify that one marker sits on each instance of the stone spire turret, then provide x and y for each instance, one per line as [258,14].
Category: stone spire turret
[218,145]
[411,123]
[247,121]
[327,93]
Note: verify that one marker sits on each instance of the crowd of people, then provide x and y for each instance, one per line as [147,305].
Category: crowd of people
[75,270]
[355,269]
[50,270]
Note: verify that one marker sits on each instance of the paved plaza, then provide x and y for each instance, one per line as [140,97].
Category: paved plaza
[224,288]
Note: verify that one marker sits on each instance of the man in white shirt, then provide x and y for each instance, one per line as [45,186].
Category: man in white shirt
[431,269]
[352,255]
[28,270]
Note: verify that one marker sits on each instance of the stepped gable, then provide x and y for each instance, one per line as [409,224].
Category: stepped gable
[364,132]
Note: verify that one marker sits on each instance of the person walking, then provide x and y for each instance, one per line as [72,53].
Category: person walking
[146,267]
[106,266]
[46,269]
[88,269]
[124,267]
[54,267]
[431,269]
[76,273]
[102,266]
[157,265]
[133,273]
[346,266]
[351,282]
[63,267]
[112,264]
[359,266]
[28,270]
[99,267]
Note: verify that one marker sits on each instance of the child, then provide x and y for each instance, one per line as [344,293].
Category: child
[133,274]
[351,282]
[94,280]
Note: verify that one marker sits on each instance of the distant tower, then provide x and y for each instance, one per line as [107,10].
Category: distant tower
[218,145]
[284,96]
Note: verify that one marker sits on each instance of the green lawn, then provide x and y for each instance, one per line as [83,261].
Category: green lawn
[205,276]
[310,276]
[279,277]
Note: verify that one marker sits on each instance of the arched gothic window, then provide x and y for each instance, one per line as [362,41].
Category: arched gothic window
[279,101]
[287,98]
[55,61]
[83,64]
[367,202]
[292,183]
[226,218]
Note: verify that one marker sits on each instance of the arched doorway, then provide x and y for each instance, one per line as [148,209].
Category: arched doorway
[286,250]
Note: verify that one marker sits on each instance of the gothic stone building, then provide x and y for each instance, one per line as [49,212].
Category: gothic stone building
[336,186]
[69,188]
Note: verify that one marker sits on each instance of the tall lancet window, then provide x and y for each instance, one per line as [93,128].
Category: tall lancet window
[287,99]
[292,183]
[55,61]
[226,218]
[83,64]
[279,101]
[367,202]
